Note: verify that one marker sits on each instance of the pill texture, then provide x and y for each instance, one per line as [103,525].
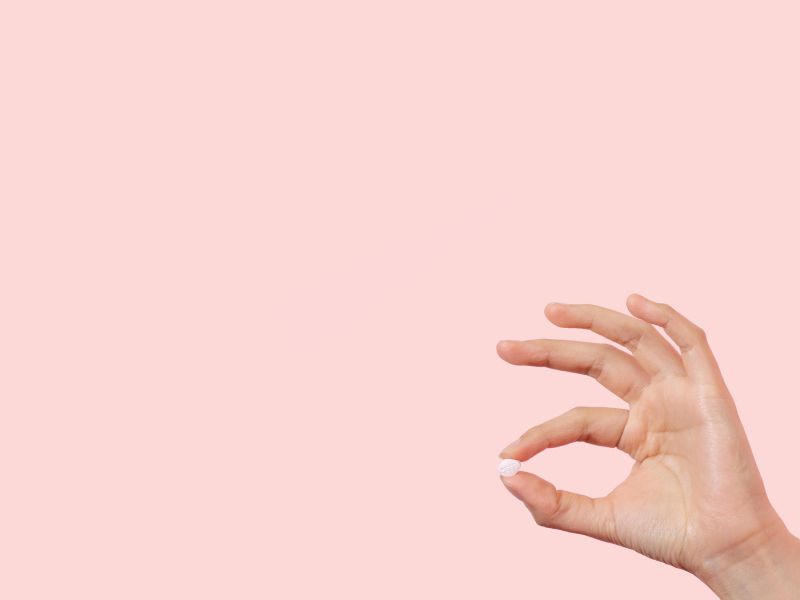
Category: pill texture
[509,467]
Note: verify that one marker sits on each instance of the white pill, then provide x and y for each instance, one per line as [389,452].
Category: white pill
[509,467]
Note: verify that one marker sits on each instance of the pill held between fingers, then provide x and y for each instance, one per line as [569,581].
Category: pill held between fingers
[508,467]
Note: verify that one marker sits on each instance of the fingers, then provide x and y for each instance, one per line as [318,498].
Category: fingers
[558,509]
[699,362]
[648,346]
[594,425]
[613,368]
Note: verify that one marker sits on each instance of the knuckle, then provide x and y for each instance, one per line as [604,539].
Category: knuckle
[697,335]
[538,516]
[556,508]
[598,363]
[544,514]
[642,333]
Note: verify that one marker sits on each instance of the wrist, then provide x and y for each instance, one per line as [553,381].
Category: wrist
[765,566]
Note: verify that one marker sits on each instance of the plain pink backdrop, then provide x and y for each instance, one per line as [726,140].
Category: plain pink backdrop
[255,258]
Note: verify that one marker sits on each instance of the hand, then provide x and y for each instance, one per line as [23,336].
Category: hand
[694,498]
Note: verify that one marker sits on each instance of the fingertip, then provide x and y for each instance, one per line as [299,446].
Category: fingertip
[537,494]
[504,346]
[638,306]
[511,450]
[558,313]
[645,309]
[519,454]
[510,482]
[553,307]
[528,488]
[633,299]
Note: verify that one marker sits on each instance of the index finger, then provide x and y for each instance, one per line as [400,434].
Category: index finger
[595,425]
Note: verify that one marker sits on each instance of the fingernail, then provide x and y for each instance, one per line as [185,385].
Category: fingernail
[509,467]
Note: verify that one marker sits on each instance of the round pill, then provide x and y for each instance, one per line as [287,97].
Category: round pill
[509,467]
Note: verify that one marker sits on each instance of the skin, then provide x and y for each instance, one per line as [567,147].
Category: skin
[694,498]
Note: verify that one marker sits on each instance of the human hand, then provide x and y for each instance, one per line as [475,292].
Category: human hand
[694,498]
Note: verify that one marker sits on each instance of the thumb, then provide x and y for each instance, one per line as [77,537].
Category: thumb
[559,509]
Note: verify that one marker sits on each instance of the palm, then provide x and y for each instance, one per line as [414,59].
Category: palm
[653,507]
[694,490]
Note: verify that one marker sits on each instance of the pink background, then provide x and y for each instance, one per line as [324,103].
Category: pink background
[255,258]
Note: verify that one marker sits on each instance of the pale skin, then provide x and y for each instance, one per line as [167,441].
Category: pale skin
[694,498]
